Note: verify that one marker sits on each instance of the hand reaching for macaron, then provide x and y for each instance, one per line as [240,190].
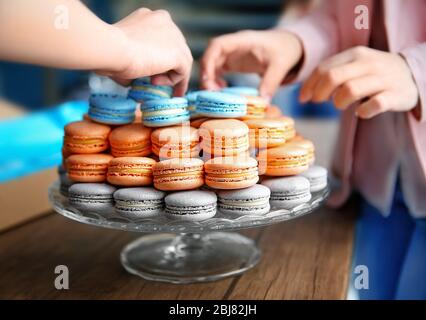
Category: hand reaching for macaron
[154,46]
[271,54]
[145,43]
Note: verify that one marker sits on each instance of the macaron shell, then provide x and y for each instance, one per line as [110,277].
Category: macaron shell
[165,112]
[178,174]
[175,142]
[130,171]
[111,109]
[88,167]
[223,128]
[288,192]
[266,133]
[283,161]
[132,140]
[291,203]
[224,137]
[317,177]
[256,107]
[305,144]
[242,90]
[143,90]
[138,203]
[227,173]
[252,200]
[221,105]
[86,137]
[197,205]
[96,197]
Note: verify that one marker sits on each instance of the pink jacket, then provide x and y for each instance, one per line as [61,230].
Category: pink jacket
[331,29]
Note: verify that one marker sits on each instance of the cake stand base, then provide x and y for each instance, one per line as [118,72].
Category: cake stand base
[188,257]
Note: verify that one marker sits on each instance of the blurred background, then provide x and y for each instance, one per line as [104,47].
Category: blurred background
[36,102]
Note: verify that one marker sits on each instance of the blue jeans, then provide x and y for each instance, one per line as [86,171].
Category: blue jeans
[394,250]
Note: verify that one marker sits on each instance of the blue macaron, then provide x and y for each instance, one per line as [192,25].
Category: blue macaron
[142,90]
[288,192]
[96,197]
[111,109]
[137,203]
[196,205]
[253,200]
[215,104]
[192,99]
[241,90]
[165,112]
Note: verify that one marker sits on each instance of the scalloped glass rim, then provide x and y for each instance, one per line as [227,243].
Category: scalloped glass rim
[162,224]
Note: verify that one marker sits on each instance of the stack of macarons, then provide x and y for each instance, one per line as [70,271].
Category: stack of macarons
[151,154]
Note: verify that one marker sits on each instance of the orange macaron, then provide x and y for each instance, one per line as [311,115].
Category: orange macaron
[266,133]
[178,174]
[132,140]
[83,137]
[283,161]
[88,167]
[231,172]
[256,107]
[305,144]
[289,127]
[175,142]
[224,137]
[130,171]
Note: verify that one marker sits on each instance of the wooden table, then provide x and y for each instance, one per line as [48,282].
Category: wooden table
[307,258]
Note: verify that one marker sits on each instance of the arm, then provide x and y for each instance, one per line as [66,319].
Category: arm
[319,34]
[144,43]
[28,34]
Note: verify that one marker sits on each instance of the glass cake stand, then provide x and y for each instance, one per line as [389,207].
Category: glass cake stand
[186,252]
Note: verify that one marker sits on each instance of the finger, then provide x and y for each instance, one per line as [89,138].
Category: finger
[330,80]
[180,89]
[123,82]
[161,80]
[271,80]
[358,89]
[307,90]
[377,104]
[210,62]
[214,58]
[180,82]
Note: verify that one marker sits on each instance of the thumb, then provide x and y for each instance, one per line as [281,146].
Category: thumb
[272,79]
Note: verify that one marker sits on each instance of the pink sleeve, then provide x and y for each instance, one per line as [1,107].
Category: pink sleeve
[319,35]
[416,60]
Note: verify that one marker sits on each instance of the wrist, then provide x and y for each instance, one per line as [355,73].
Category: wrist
[292,46]
[120,55]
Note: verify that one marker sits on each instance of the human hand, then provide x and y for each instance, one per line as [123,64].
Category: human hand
[271,54]
[152,46]
[381,81]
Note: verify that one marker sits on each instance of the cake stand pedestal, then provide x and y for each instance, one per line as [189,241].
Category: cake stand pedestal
[182,251]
